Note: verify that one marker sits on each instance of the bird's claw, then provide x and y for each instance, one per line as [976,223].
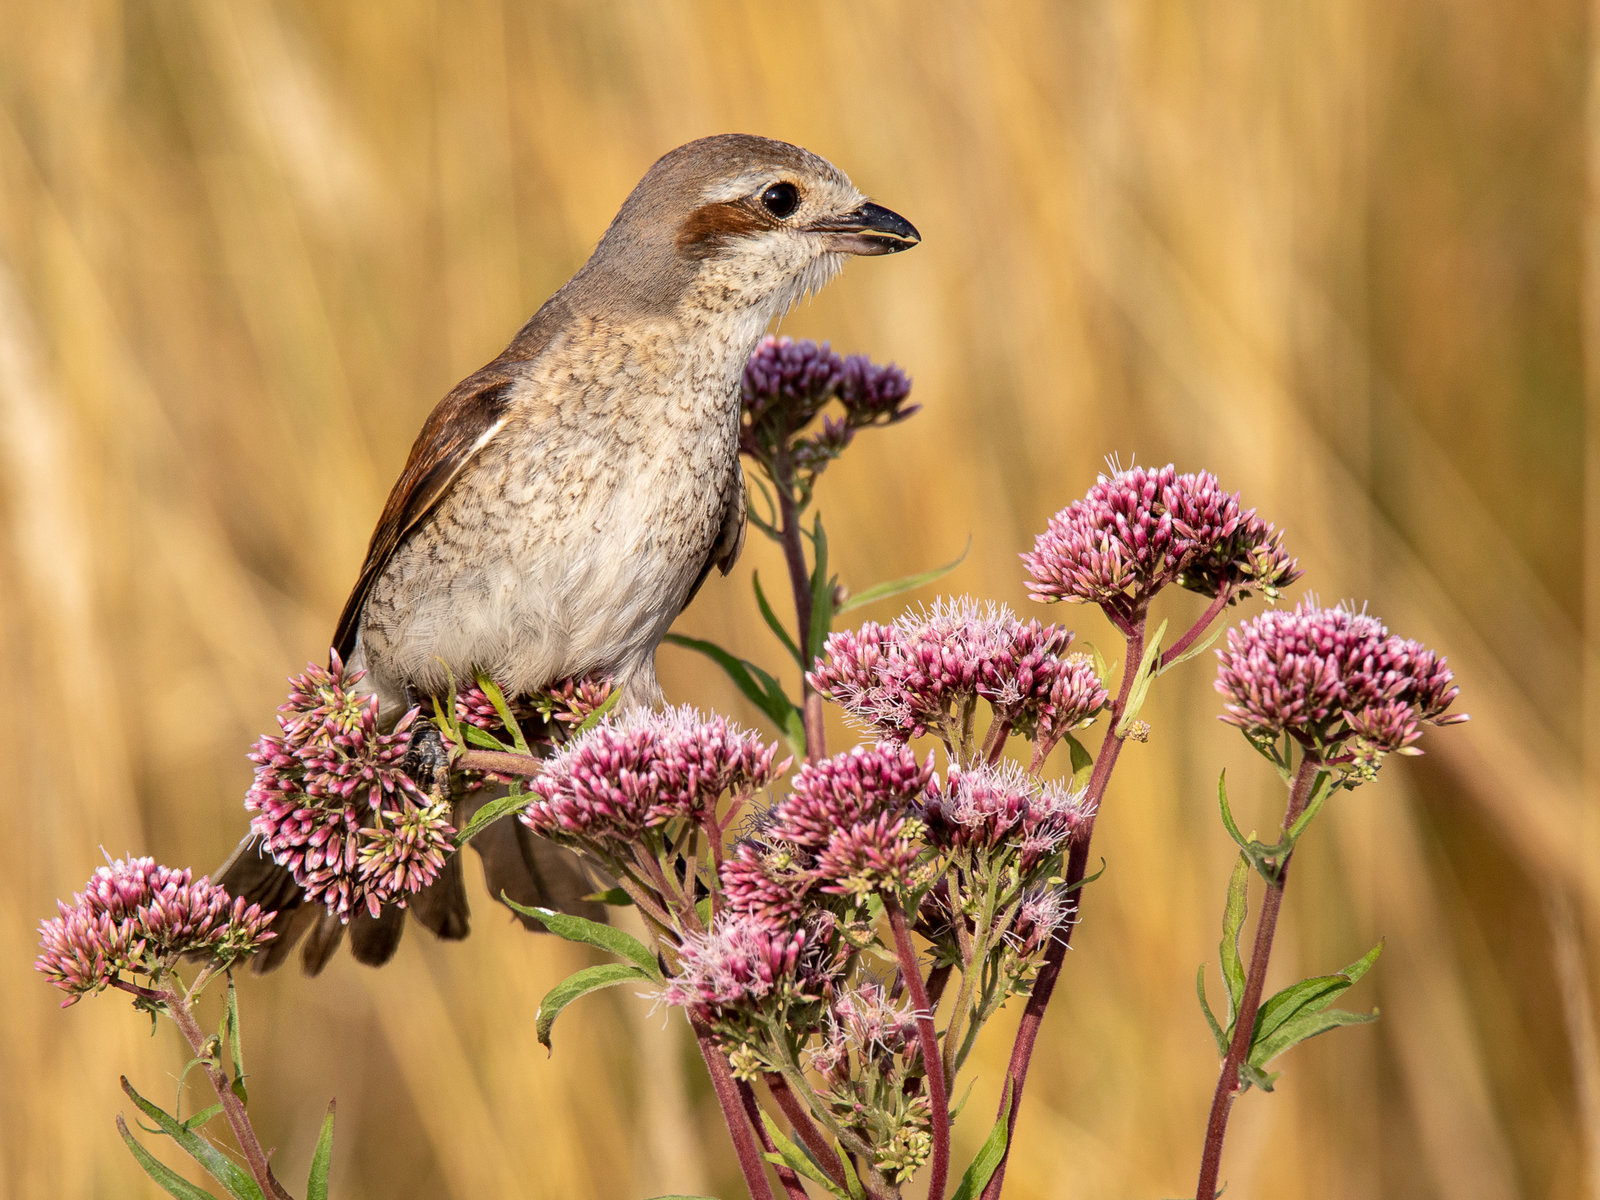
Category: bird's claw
[427,759]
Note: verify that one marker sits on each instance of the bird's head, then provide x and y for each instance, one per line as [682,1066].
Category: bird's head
[743,225]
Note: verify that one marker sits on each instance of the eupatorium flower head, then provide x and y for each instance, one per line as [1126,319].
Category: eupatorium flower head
[1334,680]
[848,789]
[137,917]
[330,793]
[788,383]
[912,677]
[1002,806]
[1139,530]
[644,769]
[735,966]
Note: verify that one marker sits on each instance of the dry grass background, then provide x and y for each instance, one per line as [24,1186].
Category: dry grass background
[1334,251]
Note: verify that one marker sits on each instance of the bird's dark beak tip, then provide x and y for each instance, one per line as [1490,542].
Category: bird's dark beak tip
[872,229]
[886,229]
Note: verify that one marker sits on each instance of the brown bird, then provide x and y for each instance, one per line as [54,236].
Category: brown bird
[563,504]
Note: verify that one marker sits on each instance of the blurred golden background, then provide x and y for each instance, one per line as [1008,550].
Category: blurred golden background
[1337,252]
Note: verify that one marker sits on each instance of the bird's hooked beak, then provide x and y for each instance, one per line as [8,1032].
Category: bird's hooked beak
[870,229]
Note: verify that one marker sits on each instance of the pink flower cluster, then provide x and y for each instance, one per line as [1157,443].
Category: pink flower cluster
[914,677]
[1334,680]
[865,1021]
[990,807]
[855,816]
[735,965]
[1139,530]
[137,917]
[567,703]
[788,383]
[333,804]
[645,769]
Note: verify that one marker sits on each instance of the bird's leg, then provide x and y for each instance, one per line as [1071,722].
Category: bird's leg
[427,759]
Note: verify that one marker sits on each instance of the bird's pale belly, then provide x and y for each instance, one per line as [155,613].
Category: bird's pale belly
[584,577]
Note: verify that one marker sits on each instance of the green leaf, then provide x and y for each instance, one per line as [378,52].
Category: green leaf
[615,897]
[483,739]
[799,1160]
[165,1177]
[767,694]
[907,583]
[217,1164]
[1232,921]
[1141,680]
[501,806]
[852,1181]
[1199,647]
[579,984]
[503,710]
[321,1159]
[1211,1020]
[989,1155]
[1253,1076]
[1082,760]
[776,625]
[231,1035]
[599,714]
[1300,1011]
[821,596]
[607,937]
[198,1119]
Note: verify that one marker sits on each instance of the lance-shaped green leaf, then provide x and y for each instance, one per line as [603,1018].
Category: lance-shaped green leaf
[491,811]
[321,1159]
[579,984]
[1301,1011]
[1268,857]
[760,688]
[1233,975]
[989,1156]
[1217,1031]
[822,588]
[1082,760]
[798,1159]
[164,1176]
[231,1035]
[217,1164]
[776,625]
[906,583]
[1141,681]
[852,1181]
[601,712]
[607,937]
[503,710]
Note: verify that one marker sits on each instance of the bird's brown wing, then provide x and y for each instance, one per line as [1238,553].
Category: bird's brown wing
[726,549]
[457,430]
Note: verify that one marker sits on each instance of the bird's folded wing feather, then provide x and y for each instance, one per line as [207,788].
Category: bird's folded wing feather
[456,431]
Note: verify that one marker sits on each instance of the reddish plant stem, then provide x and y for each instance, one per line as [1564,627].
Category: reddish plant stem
[1175,651]
[255,1157]
[1044,984]
[794,558]
[499,762]
[1244,1026]
[805,1129]
[928,1039]
[792,1186]
[733,1115]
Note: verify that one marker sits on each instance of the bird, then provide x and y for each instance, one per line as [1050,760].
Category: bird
[565,502]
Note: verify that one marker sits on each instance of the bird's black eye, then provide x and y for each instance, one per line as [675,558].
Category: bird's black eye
[781,199]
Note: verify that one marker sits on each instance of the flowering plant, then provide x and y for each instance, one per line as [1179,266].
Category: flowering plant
[838,929]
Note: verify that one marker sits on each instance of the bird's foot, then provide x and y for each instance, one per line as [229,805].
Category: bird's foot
[427,758]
